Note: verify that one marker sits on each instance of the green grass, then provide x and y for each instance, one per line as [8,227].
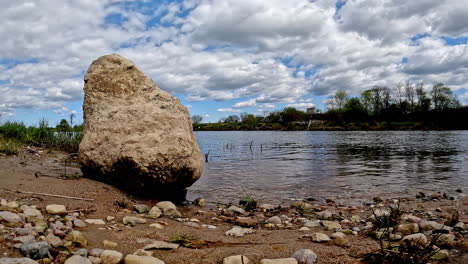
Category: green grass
[16,134]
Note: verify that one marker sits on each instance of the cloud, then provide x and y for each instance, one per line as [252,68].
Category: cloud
[229,110]
[262,52]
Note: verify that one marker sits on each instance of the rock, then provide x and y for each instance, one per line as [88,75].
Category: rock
[17,261]
[200,202]
[274,220]
[23,239]
[79,223]
[95,221]
[172,213]
[53,240]
[109,244]
[431,225]
[279,261]
[110,257]
[237,231]
[23,231]
[413,219]
[81,252]
[407,229]
[40,227]
[266,207]
[445,240]
[9,217]
[246,222]
[331,226]
[340,241]
[238,259]
[325,215]
[161,245]
[31,212]
[12,204]
[77,259]
[35,250]
[356,219]
[337,234]
[94,260]
[141,208]
[157,226]
[192,224]
[305,256]
[166,205]
[460,226]
[132,220]
[77,238]
[134,259]
[142,252]
[441,255]
[155,212]
[304,229]
[312,223]
[416,239]
[235,210]
[96,252]
[56,209]
[209,226]
[110,218]
[136,135]
[320,237]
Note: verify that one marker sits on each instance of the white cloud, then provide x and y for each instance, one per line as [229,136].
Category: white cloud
[229,110]
[230,49]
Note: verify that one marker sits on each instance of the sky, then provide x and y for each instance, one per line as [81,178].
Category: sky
[224,57]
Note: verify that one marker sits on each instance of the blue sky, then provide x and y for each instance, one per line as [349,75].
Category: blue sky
[226,57]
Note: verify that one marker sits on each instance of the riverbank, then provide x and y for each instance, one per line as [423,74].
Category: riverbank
[318,125]
[279,229]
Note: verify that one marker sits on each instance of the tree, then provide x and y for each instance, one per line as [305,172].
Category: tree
[196,119]
[423,103]
[232,119]
[291,114]
[410,94]
[63,126]
[72,117]
[354,111]
[442,97]
[338,101]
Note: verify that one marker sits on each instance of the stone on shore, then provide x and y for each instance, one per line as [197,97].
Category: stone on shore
[161,245]
[134,259]
[238,259]
[76,259]
[110,257]
[305,256]
[17,261]
[35,250]
[237,231]
[133,220]
[416,240]
[56,209]
[407,229]
[155,212]
[136,136]
[95,221]
[141,208]
[320,238]
[9,217]
[279,261]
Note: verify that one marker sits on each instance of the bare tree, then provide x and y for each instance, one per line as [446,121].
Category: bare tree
[410,95]
[196,119]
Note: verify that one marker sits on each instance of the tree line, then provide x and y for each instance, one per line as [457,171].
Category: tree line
[377,108]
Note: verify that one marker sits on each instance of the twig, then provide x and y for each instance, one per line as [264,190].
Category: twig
[52,195]
[82,210]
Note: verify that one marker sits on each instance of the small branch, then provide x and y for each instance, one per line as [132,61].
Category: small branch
[86,210]
[52,195]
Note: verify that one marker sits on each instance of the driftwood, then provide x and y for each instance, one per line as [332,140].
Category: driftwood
[52,195]
[85,210]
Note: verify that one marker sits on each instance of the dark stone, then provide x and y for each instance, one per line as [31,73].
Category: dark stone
[35,250]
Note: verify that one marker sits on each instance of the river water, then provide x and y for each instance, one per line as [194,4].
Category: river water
[279,166]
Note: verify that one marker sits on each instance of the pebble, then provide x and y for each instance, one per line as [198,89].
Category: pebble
[192,224]
[441,255]
[274,220]
[356,219]
[312,223]
[23,239]
[279,261]
[79,223]
[56,209]
[110,257]
[337,234]
[305,256]
[96,252]
[35,250]
[94,260]
[142,252]
[31,212]
[157,226]
[304,228]
[237,231]
[95,221]
[413,219]
[209,226]
[140,208]
[238,259]
[23,231]
[320,237]
[200,202]
[132,220]
[110,218]
[134,259]
[109,244]
[331,226]
[236,210]
[10,217]
[166,205]
[77,238]
[325,215]
[407,229]
[17,261]
[155,212]
[53,240]
[172,213]
[161,245]
[266,207]
[76,259]
[340,241]
[81,252]
[416,239]
[12,204]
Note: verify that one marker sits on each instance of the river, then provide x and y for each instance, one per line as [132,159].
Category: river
[279,166]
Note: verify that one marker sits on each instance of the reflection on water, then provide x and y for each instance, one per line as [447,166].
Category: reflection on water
[286,165]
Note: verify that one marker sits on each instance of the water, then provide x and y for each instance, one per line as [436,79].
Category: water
[282,166]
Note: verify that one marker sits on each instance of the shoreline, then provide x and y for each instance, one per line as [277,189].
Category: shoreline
[279,229]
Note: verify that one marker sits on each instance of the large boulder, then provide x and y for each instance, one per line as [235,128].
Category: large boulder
[136,136]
